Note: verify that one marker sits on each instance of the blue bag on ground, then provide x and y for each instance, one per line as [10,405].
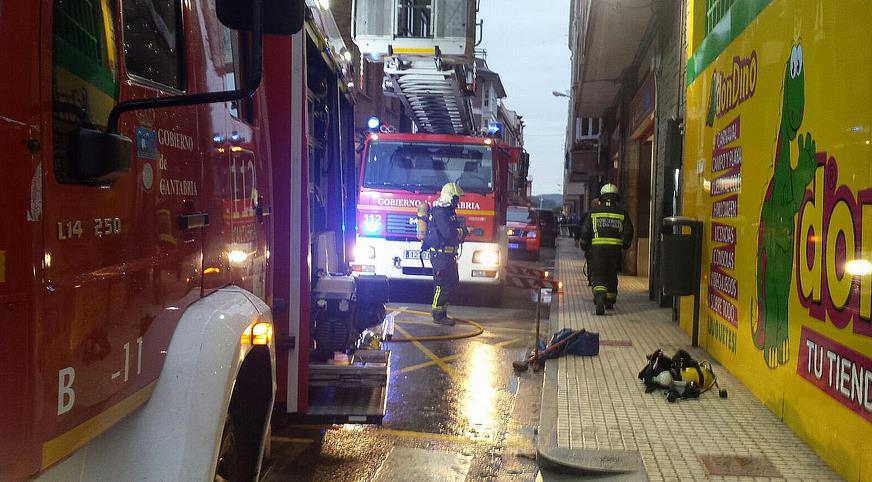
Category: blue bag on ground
[584,343]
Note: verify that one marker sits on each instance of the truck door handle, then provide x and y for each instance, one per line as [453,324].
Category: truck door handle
[194,221]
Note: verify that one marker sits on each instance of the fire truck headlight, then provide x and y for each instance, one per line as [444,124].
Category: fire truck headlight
[488,258]
[362,252]
[372,223]
[532,234]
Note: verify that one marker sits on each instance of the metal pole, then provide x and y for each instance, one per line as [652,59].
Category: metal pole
[538,311]
[696,232]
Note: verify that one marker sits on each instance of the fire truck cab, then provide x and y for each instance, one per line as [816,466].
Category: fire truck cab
[398,173]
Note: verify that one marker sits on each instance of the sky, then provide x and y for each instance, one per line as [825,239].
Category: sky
[527,44]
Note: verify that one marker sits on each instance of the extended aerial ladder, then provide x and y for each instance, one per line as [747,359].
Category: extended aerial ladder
[428,51]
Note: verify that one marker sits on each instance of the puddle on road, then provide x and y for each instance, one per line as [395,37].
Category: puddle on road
[406,464]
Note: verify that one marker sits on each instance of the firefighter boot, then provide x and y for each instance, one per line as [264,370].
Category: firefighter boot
[610,300]
[440,317]
[600,300]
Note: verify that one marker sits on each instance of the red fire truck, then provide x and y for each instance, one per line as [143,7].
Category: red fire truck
[157,294]
[399,172]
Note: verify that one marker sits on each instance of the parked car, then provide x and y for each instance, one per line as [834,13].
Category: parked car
[548,227]
[522,224]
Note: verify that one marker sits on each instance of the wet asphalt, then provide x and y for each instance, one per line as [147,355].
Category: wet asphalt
[456,409]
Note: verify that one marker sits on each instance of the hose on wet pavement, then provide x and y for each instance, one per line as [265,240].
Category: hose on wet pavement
[458,336]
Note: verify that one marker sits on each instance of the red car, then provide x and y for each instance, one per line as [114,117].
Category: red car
[522,225]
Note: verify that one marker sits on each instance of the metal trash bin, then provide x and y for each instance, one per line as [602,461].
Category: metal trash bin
[676,272]
[681,262]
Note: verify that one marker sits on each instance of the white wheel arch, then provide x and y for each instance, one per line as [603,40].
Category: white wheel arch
[176,434]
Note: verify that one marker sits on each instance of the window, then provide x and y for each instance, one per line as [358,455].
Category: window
[234,54]
[426,167]
[414,18]
[84,71]
[519,215]
[714,12]
[153,41]
[587,127]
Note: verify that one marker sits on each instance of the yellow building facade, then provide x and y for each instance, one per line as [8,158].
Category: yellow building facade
[778,164]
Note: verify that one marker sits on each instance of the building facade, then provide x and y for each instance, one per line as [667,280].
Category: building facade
[753,117]
[625,112]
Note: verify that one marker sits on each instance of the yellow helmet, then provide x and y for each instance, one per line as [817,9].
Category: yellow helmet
[449,191]
[609,189]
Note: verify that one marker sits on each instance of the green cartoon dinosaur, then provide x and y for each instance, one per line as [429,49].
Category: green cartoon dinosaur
[769,328]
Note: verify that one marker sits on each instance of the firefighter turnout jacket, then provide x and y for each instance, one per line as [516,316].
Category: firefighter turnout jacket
[607,225]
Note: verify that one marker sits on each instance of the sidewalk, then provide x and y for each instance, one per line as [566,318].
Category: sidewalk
[601,418]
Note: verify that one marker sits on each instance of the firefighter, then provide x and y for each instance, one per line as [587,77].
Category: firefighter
[443,238]
[604,232]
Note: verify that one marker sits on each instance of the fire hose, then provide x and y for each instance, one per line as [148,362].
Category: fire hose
[478,330]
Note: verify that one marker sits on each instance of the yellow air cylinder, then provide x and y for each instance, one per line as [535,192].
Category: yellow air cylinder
[423,214]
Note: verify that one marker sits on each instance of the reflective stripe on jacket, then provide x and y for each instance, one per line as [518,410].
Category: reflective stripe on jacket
[607,225]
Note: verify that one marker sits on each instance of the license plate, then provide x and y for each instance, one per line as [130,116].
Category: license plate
[412,254]
[514,245]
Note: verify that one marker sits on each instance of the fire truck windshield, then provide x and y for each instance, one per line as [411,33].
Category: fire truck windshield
[426,167]
[519,215]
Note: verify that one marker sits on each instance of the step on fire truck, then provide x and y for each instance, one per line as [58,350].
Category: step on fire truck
[428,52]
[157,295]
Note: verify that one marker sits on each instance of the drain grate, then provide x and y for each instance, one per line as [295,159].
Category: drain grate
[739,466]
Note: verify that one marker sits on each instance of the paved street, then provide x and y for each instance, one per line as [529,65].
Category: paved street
[601,407]
[456,409]
[458,412]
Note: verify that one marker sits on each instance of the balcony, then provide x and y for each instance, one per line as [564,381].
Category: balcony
[584,165]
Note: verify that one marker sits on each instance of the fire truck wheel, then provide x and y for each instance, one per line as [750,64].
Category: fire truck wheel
[246,420]
[228,465]
[237,454]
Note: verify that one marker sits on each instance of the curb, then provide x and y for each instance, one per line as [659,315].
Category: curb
[626,465]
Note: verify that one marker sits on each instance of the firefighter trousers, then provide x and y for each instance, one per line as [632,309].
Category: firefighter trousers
[605,263]
[445,281]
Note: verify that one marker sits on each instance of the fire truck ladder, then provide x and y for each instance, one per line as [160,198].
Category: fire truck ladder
[434,94]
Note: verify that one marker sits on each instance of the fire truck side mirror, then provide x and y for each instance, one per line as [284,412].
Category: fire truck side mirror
[98,157]
[280,17]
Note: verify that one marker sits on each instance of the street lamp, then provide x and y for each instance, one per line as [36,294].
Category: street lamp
[557,93]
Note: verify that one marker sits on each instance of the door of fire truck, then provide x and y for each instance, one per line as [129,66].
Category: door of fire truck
[238,192]
[121,254]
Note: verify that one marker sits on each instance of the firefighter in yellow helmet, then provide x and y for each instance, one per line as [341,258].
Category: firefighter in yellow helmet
[604,232]
[443,237]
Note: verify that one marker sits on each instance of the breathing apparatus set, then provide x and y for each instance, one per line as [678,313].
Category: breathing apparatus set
[424,231]
[682,376]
